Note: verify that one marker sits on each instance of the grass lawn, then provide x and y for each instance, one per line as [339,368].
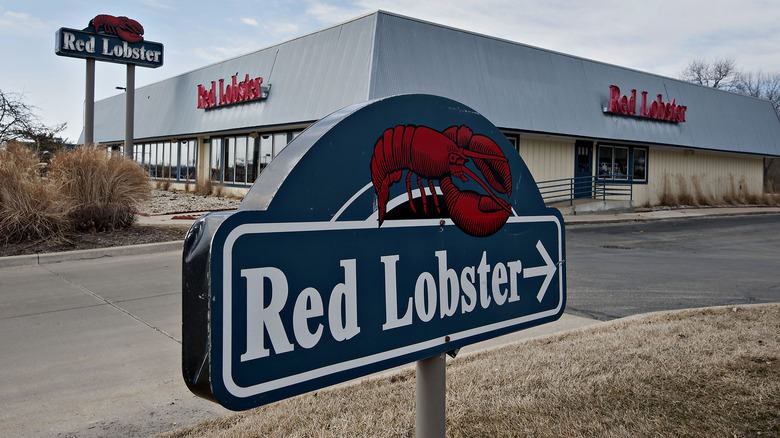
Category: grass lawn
[697,373]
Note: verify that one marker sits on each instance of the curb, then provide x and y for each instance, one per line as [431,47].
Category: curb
[661,215]
[88,254]
[149,248]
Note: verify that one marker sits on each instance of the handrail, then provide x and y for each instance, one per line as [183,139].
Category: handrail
[587,187]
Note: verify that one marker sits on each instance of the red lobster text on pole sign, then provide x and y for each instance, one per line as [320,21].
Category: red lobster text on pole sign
[112,39]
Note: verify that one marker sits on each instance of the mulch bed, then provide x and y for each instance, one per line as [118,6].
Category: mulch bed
[134,235]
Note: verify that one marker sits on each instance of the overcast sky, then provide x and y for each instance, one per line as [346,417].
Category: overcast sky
[658,36]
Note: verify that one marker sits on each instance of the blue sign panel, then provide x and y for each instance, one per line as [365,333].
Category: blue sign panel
[388,232]
[104,47]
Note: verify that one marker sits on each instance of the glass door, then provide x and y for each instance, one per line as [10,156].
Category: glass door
[583,169]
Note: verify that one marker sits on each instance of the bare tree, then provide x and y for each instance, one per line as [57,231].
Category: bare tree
[724,74]
[761,85]
[19,122]
[721,73]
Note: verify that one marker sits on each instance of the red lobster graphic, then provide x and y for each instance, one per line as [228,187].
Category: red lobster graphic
[434,155]
[123,27]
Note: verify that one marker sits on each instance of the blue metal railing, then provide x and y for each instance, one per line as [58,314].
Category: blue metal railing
[604,187]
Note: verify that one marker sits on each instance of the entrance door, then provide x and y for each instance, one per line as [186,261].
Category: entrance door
[583,169]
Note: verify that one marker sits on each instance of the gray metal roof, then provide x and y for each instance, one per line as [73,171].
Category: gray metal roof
[515,86]
[310,77]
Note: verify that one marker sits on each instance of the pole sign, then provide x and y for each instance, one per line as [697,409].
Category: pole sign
[112,39]
[388,232]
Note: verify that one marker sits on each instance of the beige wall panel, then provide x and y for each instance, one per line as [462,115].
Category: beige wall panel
[702,176]
[547,160]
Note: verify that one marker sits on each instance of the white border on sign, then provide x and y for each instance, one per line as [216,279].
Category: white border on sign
[291,227]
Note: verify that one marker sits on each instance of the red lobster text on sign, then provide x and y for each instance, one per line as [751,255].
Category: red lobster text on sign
[248,89]
[435,155]
[657,110]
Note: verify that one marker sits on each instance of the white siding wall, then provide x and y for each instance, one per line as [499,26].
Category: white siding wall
[547,160]
[716,176]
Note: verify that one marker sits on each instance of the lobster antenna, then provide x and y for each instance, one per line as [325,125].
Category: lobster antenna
[473,154]
[504,205]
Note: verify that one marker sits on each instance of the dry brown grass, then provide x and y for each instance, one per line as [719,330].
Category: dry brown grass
[702,198]
[685,197]
[735,194]
[103,190]
[695,373]
[30,207]
[203,187]
[667,196]
[217,191]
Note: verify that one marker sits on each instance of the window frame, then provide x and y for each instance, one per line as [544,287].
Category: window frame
[271,142]
[631,156]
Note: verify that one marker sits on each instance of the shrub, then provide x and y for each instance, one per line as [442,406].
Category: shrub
[104,190]
[30,207]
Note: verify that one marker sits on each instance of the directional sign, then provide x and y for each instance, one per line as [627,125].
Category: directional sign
[386,233]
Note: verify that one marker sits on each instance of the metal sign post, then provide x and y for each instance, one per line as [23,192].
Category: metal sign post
[431,397]
[89,103]
[129,110]
[389,232]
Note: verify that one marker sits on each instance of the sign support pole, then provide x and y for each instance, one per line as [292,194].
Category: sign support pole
[89,103]
[129,109]
[431,397]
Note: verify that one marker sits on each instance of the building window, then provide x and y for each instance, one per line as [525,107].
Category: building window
[622,163]
[176,161]
[238,160]
[188,161]
[216,160]
[640,164]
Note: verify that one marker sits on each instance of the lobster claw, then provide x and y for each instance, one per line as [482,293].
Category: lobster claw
[477,215]
[486,155]
[130,30]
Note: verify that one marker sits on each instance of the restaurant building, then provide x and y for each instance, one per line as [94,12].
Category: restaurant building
[568,117]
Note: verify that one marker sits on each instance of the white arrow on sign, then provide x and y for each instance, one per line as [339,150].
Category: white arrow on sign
[548,270]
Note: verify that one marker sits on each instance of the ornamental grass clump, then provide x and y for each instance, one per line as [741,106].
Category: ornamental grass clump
[103,190]
[31,208]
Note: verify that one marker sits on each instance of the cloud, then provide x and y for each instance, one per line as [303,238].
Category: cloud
[250,21]
[331,14]
[19,22]
[157,4]
[282,29]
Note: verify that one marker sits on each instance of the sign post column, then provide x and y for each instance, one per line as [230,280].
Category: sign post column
[129,110]
[431,397]
[89,103]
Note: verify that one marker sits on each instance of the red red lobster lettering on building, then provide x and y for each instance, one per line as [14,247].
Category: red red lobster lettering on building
[658,109]
[435,155]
